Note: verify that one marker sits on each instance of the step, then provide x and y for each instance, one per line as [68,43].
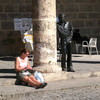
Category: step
[49,77]
[17,92]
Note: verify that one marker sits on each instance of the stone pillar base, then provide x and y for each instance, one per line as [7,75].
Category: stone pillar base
[47,68]
[49,77]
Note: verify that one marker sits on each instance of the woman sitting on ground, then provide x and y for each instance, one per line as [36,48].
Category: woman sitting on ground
[22,67]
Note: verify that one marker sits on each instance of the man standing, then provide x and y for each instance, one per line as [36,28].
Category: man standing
[64,31]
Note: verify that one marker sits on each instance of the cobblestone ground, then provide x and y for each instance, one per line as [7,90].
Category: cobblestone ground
[70,94]
[64,94]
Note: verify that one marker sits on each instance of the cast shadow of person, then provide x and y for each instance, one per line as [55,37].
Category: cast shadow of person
[7,72]
[78,39]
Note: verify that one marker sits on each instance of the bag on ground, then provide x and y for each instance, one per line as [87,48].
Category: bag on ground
[38,76]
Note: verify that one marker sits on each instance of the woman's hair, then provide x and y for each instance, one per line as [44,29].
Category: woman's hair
[23,50]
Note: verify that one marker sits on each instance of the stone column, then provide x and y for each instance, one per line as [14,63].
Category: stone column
[44,36]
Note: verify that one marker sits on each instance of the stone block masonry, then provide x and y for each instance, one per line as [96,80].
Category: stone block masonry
[83,14]
[10,40]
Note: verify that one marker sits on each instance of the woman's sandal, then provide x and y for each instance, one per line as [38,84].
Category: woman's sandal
[42,85]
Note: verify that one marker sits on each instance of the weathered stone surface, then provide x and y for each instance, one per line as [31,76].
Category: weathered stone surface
[25,8]
[98,23]
[51,68]
[71,7]
[88,11]
[4,1]
[7,25]
[44,29]
[82,15]
[44,42]
[1,8]
[28,1]
[44,9]
[10,8]
[94,15]
[15,15]
[97,8]
[78,23]
[86,8]
[8,41]
[3,16]
[16,1]
[91,23]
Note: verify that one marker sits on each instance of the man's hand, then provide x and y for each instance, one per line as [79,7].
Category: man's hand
[63,31]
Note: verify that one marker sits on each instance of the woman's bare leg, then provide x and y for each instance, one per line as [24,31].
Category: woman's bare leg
[30,81]
[42,85]
[34,80]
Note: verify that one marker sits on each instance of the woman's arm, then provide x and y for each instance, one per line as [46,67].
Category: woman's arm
[28,67]
[17,68]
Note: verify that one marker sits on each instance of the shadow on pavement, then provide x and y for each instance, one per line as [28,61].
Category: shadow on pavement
[77,56]
[7,70]
[7,76]
[7,58]
[79,61]
[88,62]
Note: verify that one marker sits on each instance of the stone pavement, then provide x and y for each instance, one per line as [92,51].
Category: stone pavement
[87,75]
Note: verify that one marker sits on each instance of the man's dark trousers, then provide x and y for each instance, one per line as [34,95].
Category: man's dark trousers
[66,49]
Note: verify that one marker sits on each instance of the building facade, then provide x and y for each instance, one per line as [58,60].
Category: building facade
[83,14]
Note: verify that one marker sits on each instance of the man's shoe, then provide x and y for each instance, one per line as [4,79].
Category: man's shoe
[64,69]
[70,69]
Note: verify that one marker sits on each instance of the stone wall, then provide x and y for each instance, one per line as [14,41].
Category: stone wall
[84,15]
[10,40]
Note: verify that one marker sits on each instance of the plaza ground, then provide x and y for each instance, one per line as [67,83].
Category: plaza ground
[83,84]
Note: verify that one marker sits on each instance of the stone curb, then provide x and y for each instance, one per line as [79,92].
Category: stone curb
[22,93]
[69,75]
[26,95]
[50,77]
